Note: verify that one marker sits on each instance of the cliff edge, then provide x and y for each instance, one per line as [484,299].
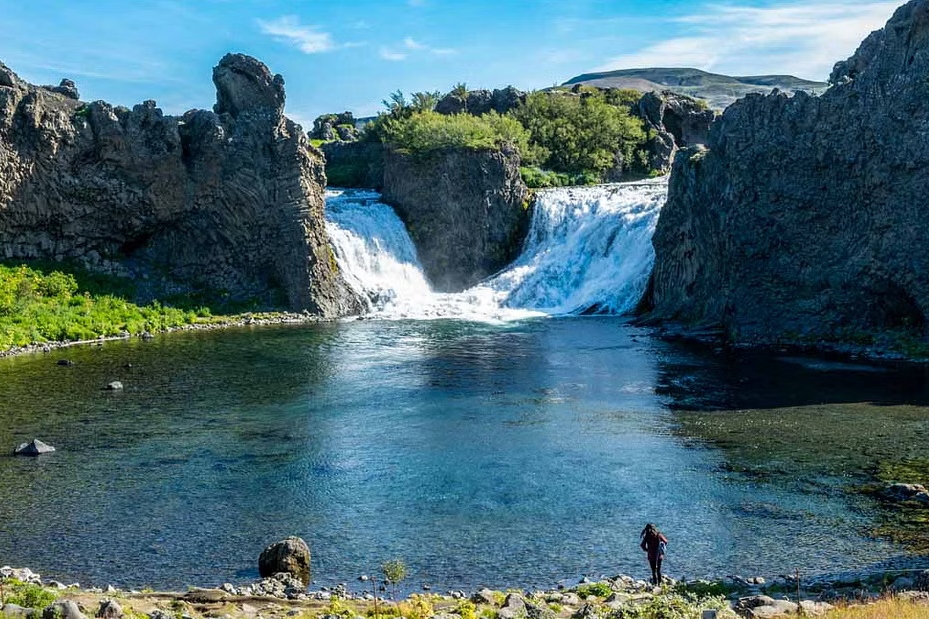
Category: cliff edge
[225,203]
[806,217]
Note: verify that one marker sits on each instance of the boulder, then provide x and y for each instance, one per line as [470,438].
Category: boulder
[514,607]
[290,555]
[484,596]
[33,448]
[15,610]
[109,609]
[63,609]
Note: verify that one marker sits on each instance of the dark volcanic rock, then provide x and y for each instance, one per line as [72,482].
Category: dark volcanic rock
[465,211]
[480,102]
[676,121]
[806,216]
[290,555]
[229,204]
[244,84]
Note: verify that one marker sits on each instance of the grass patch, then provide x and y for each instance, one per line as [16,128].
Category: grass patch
[39,305]
[885,608]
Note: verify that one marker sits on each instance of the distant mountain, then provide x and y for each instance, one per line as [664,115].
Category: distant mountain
[718,90]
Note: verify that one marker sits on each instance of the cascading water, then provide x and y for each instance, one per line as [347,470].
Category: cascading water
[588,250]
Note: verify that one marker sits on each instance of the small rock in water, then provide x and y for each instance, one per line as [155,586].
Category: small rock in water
[35,448]
[364,578]
[114,386]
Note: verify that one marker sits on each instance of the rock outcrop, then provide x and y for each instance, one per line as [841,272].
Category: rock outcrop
[806,217]
[465,211]
[674,121]
[480,102]
[227,203]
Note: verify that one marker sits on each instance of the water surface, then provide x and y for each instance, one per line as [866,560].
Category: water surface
[518,454]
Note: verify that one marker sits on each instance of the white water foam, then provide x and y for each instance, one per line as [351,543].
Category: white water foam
[588,249]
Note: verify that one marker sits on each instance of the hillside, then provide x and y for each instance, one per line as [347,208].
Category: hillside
[718,90]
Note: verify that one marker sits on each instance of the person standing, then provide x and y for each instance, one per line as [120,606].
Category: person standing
[653,542]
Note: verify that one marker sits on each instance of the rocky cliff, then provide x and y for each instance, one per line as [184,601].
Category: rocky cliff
[464,209]
[224,203]
[806,217]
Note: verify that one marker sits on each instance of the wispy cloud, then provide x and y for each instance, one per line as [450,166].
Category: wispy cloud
[388,53]
[797,38]
[411,46]
[289,30]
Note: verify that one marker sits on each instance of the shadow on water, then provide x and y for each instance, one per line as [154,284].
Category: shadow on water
[698,377]
[819,425]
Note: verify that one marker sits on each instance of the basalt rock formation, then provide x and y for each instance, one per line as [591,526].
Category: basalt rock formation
[806,217]
[465,210]
[674,121]
[225,203]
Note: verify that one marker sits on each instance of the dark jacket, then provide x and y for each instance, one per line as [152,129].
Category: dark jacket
[652,544]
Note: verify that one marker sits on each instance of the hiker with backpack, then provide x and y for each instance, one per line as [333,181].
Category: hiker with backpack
[654,542]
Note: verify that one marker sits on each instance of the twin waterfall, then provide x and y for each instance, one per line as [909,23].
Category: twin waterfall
[588,251]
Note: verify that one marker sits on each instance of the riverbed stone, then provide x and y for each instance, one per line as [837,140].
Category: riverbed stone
[114,386]
[33,448]
[291,555]
[63,609]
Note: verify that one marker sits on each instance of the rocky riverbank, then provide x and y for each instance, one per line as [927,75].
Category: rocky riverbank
[28,596]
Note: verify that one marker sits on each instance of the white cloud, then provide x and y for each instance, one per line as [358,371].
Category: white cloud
[391,54]
[289,30]
[796,38]
[411,43]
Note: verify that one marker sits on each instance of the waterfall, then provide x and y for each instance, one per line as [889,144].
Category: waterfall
[588,250]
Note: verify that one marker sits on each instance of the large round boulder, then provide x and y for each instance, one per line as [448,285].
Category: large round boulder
[291,555]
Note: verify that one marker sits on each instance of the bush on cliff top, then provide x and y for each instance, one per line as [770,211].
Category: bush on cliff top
[580,134]
[48,306]
[427,131]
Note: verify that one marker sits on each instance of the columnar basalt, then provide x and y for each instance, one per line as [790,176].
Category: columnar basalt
[227,204]
[805,217]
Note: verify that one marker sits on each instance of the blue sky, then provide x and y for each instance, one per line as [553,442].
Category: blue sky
[350,55]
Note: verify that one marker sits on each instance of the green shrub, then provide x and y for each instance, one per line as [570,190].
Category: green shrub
[28,595]
[579,134]
[594,589]
[424,132]
[536,178]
